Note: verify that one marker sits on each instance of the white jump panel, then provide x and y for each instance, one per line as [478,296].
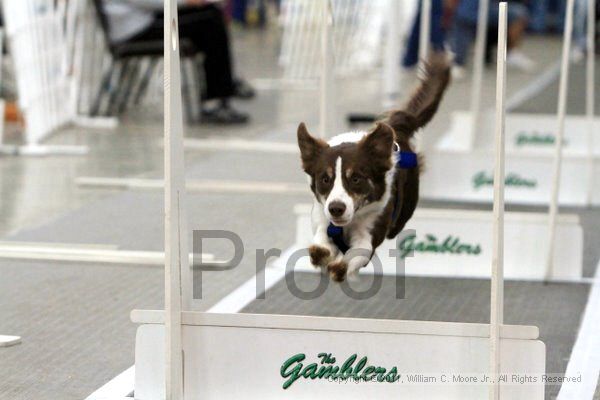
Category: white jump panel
[456,172]
[458,243]
[242,356]
[468,177]
[533,133]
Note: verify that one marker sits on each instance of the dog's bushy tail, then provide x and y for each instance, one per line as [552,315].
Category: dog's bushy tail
[425,100]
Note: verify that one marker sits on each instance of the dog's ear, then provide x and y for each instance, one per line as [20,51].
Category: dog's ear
[379,144]
[310,147]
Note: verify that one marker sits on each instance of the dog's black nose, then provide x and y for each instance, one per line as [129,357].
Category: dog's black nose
[337,209]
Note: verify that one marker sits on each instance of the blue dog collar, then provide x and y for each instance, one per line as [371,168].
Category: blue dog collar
[404,160]
[336,234]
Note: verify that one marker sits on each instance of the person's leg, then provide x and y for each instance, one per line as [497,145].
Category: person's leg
[205,28]
[539,14]
[411,55]
[438,35]
[579,24]
[462,35]
[518,17]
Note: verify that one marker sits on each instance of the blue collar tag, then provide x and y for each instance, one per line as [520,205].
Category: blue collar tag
[406,159]
[336,234]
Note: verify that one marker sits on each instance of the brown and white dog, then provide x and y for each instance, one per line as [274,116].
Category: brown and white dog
[357,183]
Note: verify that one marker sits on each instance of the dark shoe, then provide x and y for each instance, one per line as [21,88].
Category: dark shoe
[225,115]
[242,89]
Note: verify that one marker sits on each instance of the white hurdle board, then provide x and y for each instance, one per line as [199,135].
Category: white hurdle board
[455,172]
[458,243]
[460,168]
[240,356]
[247,356]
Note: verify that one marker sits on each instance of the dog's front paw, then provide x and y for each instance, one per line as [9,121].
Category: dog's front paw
[337,270]
[319,255]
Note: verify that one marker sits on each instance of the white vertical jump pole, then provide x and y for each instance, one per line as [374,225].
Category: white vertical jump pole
[424,47]
[590,93]
[424,30]
[391,72]
[327,110]
[560,132]
[478,62]
[177,271]
[497,287]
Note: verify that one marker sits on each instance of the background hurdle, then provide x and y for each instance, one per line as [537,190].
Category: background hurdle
[532,160]
[206,337]
[431,228]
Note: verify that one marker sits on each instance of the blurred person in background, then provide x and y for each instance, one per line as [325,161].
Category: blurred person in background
[437,34]
[580,31]
[202,23]
[465,28]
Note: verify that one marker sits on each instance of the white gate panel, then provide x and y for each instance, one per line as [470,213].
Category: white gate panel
[458,243]
[237,356]
[457,172]
[467,176]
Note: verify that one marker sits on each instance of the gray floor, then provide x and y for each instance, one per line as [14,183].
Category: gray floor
[74,319]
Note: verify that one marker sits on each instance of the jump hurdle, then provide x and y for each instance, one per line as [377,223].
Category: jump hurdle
[531,148]
[212,349]
[454,243]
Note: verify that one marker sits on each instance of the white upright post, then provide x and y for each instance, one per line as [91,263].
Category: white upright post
[391,71]
[590,93]
[327,110]
[478,62]
[176,253]
[425,30]
[560,132]
[424,46]
[497,289]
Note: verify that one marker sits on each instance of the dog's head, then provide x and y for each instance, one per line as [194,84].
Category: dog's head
[349,176]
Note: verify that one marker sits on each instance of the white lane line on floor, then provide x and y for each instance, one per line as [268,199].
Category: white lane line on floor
[196,186]
[534,88]
[247,292]
[220,144]
[585,356]
[118,388]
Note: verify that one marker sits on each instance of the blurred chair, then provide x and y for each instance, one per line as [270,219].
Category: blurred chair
[119,82]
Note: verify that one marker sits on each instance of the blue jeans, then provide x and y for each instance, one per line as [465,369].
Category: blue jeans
[580,24]
[411,55]
[539,13]
[465,25]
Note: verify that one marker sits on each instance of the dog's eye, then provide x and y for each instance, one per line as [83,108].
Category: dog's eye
[356,179]
[325,179]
